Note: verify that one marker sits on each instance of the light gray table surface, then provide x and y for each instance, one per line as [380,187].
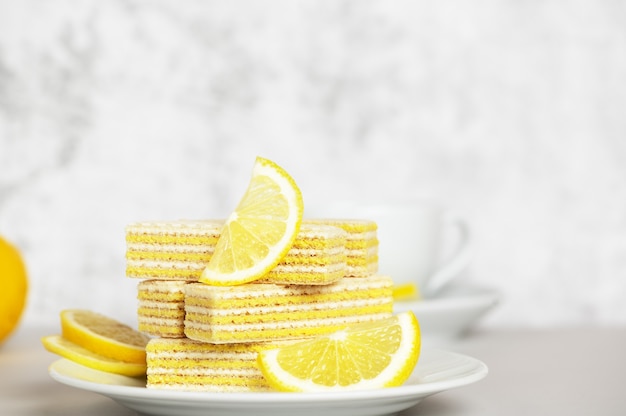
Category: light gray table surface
[578,371]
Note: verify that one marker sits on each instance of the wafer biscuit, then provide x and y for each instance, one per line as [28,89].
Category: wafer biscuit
[161,310]
[263,312]
[173,250]
[185,364]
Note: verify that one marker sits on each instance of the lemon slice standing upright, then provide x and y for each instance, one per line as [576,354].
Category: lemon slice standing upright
[260,231]
[369,355]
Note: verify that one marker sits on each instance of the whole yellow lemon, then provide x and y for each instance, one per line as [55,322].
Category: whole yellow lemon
[13,288]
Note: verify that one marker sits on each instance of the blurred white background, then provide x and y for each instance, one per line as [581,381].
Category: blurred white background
[511,112]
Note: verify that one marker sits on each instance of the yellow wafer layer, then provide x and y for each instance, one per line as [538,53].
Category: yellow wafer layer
[139,272]
[263,312]
[163,312]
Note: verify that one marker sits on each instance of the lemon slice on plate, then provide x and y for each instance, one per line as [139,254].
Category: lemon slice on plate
[260,231]
[369,355]
[104,336]
[99,342]
[71,369]
[74,352]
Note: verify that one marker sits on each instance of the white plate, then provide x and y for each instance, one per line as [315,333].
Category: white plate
[435,372]
[446,317]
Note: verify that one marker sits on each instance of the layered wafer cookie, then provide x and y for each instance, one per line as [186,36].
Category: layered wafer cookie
[361,244]
[267,312]
[161,310]
[184,364]
[180,250]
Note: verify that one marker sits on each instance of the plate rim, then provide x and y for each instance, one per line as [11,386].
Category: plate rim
[415,390]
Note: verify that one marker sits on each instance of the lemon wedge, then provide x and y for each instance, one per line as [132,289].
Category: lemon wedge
[260,231]
[364,356]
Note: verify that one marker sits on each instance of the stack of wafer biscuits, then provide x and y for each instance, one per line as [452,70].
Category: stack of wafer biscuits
[207,337]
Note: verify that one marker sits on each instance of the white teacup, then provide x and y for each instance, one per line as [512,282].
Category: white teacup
[413,240]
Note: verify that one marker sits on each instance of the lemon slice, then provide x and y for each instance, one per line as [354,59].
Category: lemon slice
[104,336]
[74,352]
[364,356]
[407,291]
[71,369]
[260,231]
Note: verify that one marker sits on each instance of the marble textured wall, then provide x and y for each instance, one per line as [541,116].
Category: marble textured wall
[512,112]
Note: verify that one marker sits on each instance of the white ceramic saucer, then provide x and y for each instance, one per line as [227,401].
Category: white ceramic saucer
[436,371]
[448,316]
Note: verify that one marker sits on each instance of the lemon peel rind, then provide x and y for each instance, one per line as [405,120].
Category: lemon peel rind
[395,374]
[288,186]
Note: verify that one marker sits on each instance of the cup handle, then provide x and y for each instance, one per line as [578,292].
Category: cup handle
[457,262]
